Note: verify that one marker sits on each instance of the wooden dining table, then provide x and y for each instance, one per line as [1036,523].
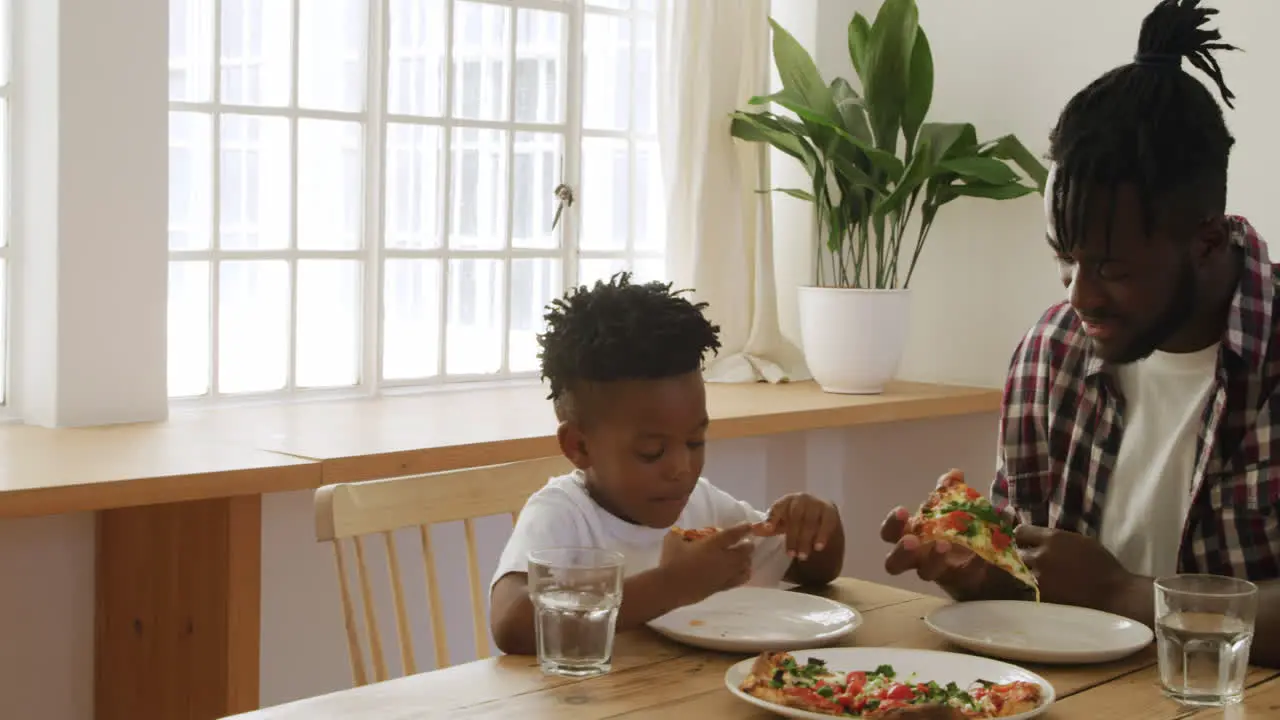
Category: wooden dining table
[656,678]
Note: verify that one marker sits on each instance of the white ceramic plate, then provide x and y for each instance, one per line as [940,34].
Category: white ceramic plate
[1039,632]
[752,619]
[941,667]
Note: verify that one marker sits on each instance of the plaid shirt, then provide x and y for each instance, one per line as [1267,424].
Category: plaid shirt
[1062,419]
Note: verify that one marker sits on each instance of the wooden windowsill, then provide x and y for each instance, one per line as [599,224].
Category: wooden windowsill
[226,452]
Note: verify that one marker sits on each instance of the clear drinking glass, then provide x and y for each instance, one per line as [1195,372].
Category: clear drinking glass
[576,593]
[1204,627]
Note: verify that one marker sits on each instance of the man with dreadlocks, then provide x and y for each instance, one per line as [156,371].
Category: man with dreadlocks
[624,363]
[1138,432]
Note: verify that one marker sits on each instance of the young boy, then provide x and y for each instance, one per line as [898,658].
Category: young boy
[624,364]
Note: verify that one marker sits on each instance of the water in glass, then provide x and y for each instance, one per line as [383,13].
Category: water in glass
[576,593]
[1204,628]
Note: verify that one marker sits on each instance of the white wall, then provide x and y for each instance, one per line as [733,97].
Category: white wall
[46,618]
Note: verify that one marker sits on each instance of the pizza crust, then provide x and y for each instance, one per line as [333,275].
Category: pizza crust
[758,682]
[1017,698]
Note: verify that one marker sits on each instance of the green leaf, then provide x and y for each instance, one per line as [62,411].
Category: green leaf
[949,139]
[917,172]
[1010,148]
[829,223]
[985,169]
[856,176]
[757,127]
[798,194]
[1008,191]
[885,161]
[887,65]
[919,89]
[803,86]
[859,41]
[851,109]
[783,94]
[799,73]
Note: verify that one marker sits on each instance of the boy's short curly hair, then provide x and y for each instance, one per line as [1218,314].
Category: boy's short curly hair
[620,330]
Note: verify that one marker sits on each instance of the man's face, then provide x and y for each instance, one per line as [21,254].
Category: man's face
[1135,292]
[644,446]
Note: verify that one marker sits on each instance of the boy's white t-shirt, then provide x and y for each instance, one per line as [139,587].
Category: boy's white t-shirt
[562,514]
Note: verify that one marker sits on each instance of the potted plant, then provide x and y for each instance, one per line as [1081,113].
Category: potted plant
[880,173]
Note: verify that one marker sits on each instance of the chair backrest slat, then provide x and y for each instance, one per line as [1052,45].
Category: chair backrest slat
[477,597]
[438,632]
[370,616]
[356,655]
[353,511]
[403,632]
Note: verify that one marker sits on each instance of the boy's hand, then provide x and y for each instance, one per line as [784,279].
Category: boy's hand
[701,568]
[807,522]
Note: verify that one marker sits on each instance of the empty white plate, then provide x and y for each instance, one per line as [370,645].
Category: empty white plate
[752,619]
[926,665]
[1039,632]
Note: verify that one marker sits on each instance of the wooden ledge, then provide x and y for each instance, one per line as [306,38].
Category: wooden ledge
[274,448]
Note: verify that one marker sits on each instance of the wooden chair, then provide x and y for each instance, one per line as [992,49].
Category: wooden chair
[349,513]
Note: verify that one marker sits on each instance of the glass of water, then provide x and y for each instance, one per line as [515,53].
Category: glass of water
[576,593]
[1204,628]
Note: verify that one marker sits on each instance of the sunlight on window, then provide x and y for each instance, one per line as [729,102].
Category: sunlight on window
[330,231]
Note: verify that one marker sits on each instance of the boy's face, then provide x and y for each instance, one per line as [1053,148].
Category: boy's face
[642,444]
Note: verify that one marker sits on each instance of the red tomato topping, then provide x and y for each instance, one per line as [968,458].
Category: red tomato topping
[957,521]
[811,696]
[898,691]
[999,540]
[972,494]
[855,681]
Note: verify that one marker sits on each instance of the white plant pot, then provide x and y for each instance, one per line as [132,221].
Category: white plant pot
[853,339]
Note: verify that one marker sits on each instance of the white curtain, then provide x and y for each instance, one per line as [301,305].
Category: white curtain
[713,56]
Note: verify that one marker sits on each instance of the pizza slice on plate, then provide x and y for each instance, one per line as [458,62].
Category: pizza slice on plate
[776,677]
[960,514]
[780,679]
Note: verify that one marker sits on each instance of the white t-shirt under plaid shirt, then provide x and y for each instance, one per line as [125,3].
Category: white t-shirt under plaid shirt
[562,514]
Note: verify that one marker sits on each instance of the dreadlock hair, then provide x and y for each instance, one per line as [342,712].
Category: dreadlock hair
[1147,124]
[618,330]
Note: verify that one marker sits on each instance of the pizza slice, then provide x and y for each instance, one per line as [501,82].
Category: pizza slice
[697,534]
[777,678]
[960,514]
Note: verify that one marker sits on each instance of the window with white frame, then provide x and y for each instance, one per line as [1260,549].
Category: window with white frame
[363,193]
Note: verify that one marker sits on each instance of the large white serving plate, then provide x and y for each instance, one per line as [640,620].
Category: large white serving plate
[752,619]
[1039,632]
[926,665]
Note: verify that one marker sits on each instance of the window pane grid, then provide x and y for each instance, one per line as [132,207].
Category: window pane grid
[431,256]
